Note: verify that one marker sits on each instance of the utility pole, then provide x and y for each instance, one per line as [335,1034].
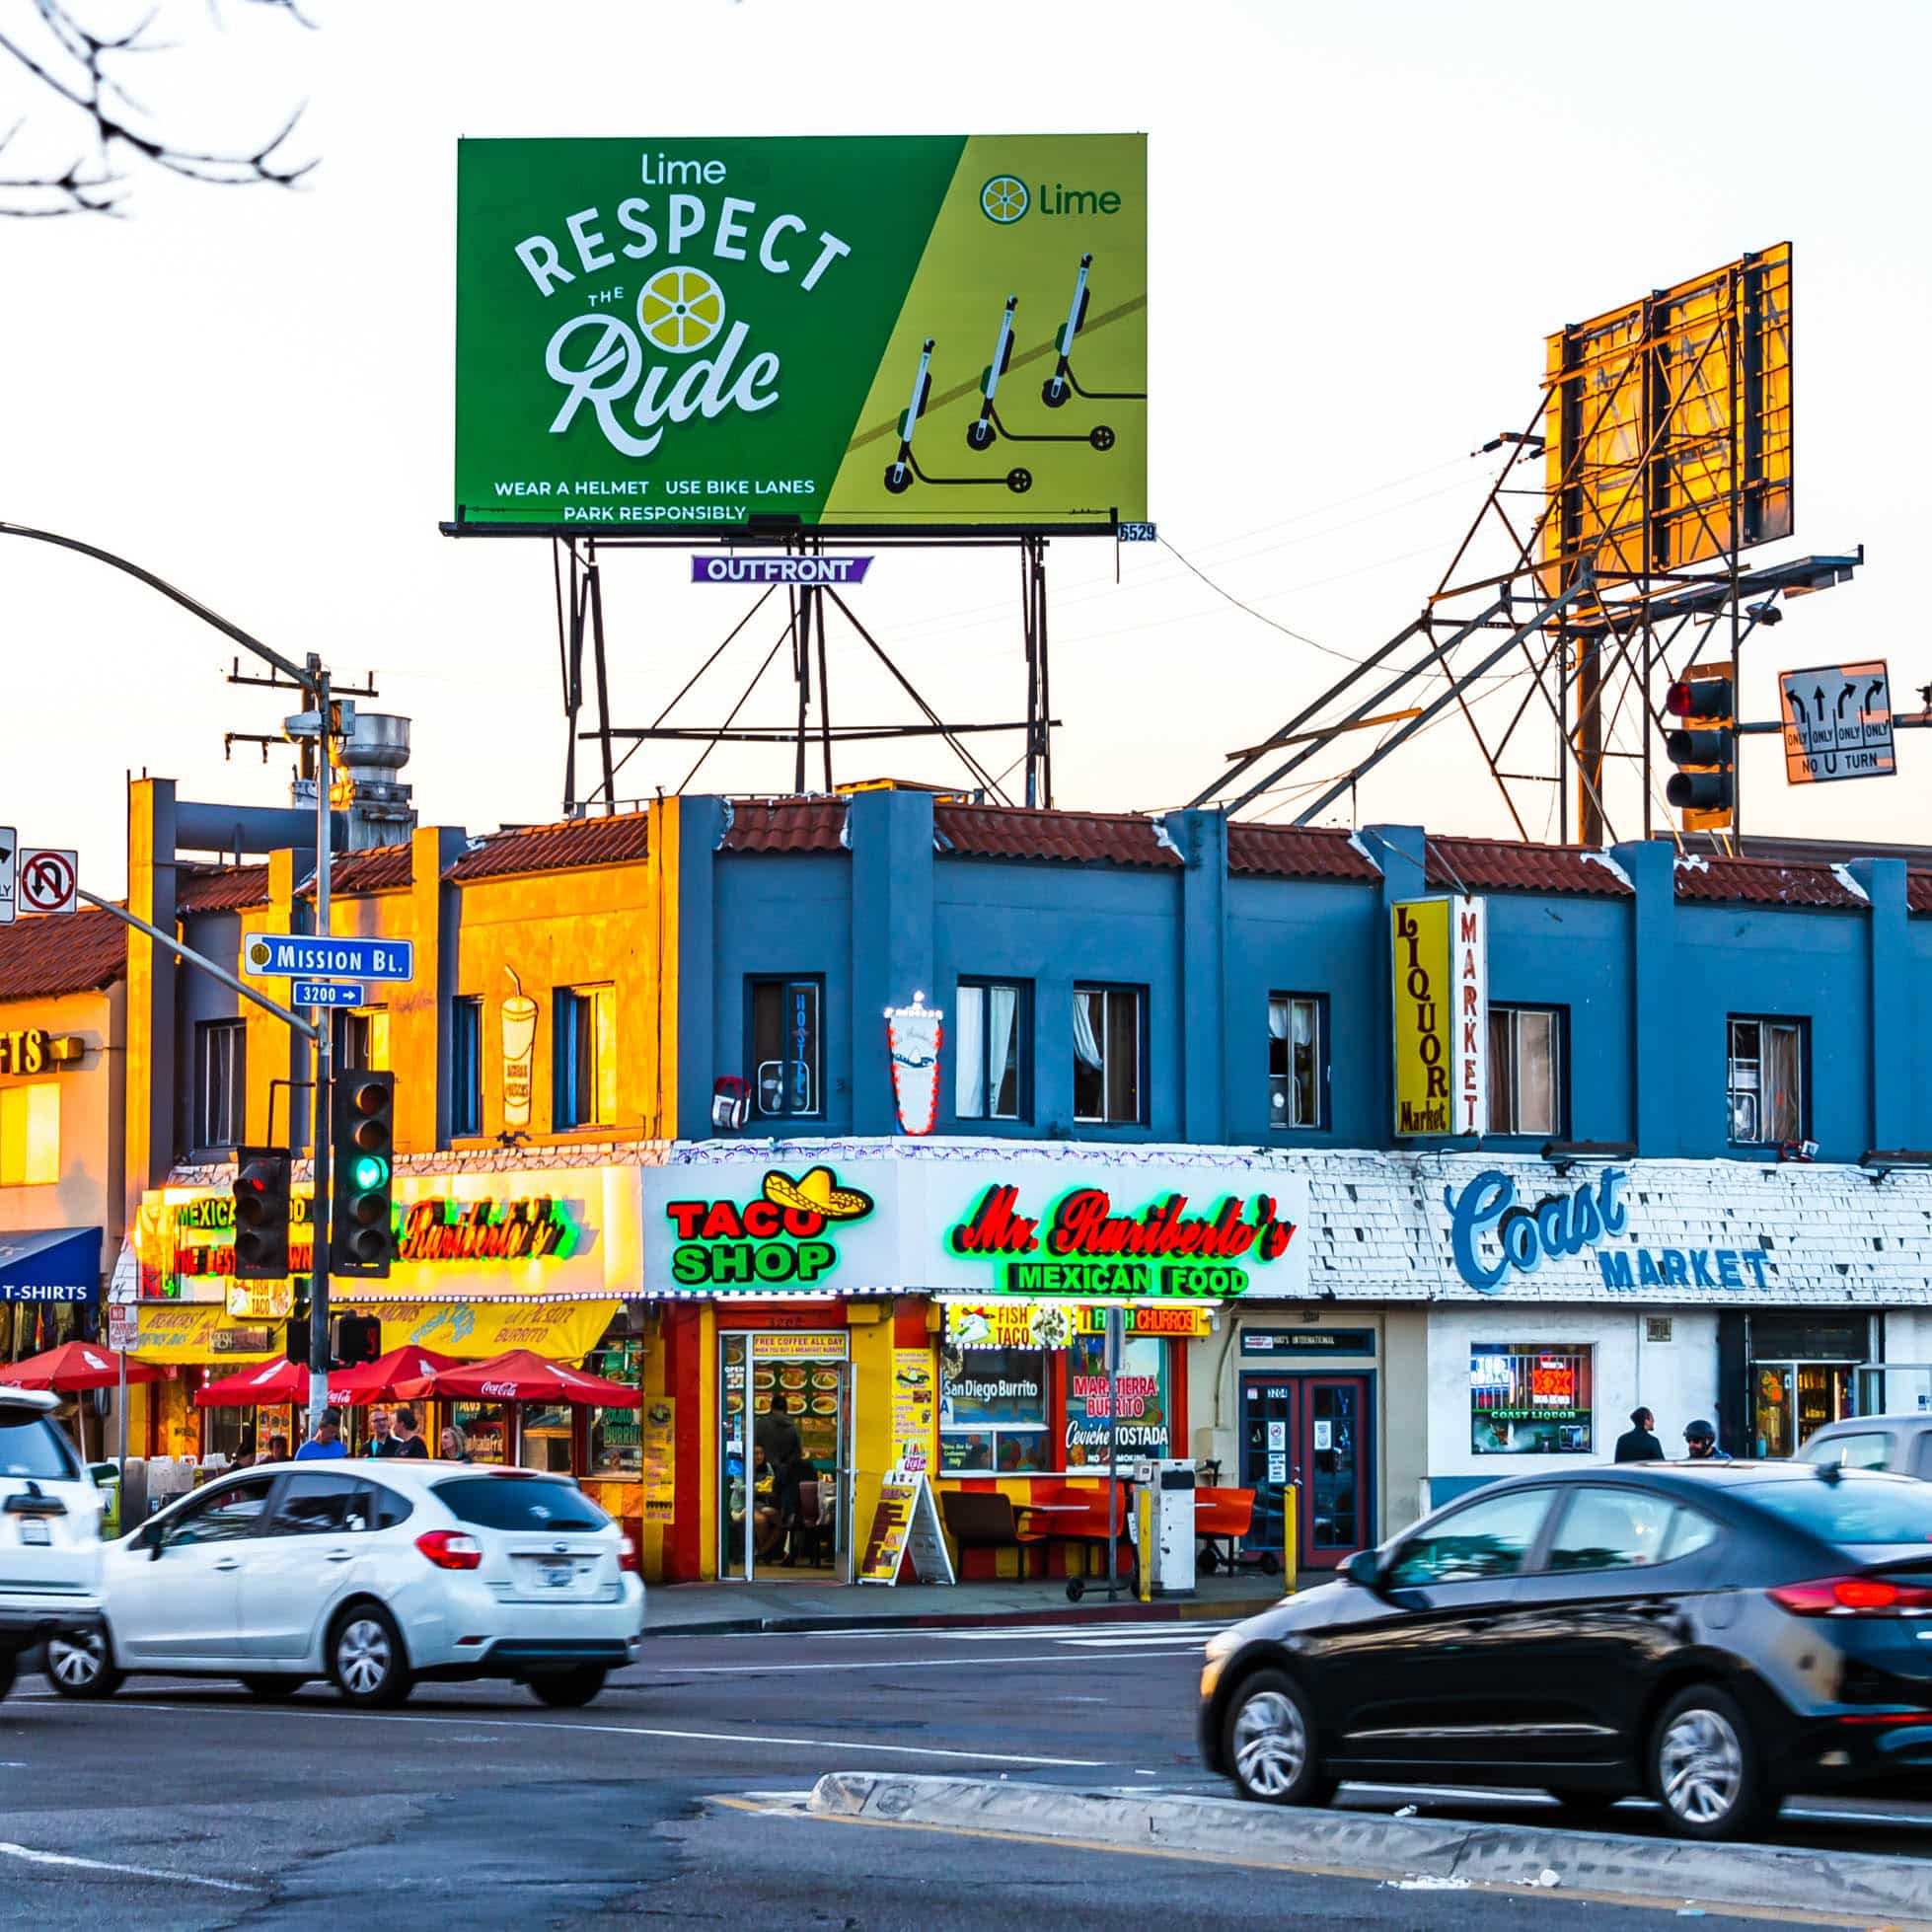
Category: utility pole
[324,1022]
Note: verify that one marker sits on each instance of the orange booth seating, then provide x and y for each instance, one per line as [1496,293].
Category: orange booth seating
[1060,1512]
[1221,1517]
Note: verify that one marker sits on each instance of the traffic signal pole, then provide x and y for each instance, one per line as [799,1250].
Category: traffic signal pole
[322,1032]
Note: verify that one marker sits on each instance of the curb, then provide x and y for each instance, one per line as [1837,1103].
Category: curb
[789,1624]
[1862,1887]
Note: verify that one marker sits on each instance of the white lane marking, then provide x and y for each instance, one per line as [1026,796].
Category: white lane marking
[671,1673]
[1065,1633]
[621,1731]
[27,1855]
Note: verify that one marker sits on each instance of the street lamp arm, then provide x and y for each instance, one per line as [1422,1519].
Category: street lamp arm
[201,961]
[288,669]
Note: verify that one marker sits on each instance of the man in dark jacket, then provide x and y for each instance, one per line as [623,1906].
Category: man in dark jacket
[1637,1444]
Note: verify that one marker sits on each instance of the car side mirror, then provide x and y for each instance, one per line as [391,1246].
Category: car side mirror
[1365,1569]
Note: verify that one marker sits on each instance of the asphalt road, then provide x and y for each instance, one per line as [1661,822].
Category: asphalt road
[674,1800]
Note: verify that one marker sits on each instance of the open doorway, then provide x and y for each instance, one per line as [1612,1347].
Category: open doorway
[785,1463]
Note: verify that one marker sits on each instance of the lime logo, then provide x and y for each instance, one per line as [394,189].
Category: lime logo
[1004,199]
[258,954]
[681,309]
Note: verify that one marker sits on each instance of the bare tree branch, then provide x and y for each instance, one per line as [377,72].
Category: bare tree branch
[79,73]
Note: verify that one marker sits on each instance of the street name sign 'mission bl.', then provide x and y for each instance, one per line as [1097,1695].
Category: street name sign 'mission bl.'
[298,955]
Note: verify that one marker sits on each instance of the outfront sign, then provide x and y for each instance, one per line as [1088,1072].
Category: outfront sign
[304,956]
[1439,988]
[896,333]
[1028,1227]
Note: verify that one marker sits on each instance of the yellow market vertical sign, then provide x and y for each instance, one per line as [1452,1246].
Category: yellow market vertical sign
[1439,987]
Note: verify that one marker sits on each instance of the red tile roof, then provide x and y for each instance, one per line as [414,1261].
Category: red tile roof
[41,958]
[572,842]
[785,825]
[1918,891]
[1297,852]
[378,869]
[221,888]
[1504,865]
[1763,882]
[1078,837]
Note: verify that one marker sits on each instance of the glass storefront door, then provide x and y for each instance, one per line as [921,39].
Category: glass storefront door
[784,1463]
[1309,1433]
[1791,1400]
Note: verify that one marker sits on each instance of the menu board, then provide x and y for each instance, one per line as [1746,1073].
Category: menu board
[660,1456]
[905,1523]
[915,1401]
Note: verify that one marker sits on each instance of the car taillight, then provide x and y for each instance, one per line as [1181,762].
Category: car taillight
[451,1550]
[627,1557]
[1854,1597]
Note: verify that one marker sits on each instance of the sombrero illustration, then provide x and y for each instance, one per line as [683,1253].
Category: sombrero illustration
[818,1192]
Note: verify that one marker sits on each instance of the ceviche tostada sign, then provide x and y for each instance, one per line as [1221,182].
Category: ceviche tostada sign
[986,1226]
[891,332]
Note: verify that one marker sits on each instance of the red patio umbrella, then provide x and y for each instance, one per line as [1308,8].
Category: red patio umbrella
[75,1366]
[382,1380]
[521,1377]
[268,1384]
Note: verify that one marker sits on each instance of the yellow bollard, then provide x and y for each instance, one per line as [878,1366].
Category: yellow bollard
[1144,1523]
[1291,1539]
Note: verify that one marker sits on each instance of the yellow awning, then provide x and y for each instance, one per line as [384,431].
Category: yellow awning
[201,1332]
[565,1331]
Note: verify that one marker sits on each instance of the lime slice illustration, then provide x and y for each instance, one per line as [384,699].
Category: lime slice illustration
[681,309]
[1004,199]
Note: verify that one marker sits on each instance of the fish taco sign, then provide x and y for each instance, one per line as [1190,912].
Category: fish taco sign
[693,334]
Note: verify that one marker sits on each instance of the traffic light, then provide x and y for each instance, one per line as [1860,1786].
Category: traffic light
[358,1339]
[363,1140]
[260,1194]
[1704,749]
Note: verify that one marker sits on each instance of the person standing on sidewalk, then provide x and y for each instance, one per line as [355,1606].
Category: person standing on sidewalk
[1638,1443]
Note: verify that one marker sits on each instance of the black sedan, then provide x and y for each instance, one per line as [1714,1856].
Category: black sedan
[1716,1635]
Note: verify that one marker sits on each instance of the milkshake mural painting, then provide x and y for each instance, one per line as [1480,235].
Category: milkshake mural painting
[519,1012]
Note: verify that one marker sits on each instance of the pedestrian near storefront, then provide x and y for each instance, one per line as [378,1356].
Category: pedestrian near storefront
[276,1452]
[1700,1442]
[454,1446]
[325,1445]
[1638,1443]
[380,1442]
[407,1440]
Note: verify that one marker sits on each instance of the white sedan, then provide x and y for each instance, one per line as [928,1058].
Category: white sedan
[372,1574]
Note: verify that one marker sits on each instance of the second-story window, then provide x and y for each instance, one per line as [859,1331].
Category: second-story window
[1295,1060]
[30,1134]
[362,1041]
[1526,1070]
[465,1067]
[993,1026]
[584,1057]
[1107,1054]
[220,1076]
[1766,1081]
[787,1047]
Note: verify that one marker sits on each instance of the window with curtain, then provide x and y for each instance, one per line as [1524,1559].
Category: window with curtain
[466,1067]
[583,1057]
[787,1047]
[1107,1034]
[993,1033]
[1526,1070]
[1766,1081]
[220,1059]
[362,1041]
[1297,1072]
[30,1134]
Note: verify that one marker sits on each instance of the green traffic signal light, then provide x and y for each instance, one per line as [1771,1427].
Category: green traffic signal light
[370,1171]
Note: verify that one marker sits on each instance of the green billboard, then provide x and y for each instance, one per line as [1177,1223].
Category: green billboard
[866,334]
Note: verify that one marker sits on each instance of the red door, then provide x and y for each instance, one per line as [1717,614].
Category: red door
[1337,1469]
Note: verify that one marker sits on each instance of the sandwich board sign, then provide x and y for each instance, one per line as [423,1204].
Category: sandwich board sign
[905,1528]
[1837,722]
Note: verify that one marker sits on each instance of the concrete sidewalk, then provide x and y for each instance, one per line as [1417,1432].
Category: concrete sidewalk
[724,1610]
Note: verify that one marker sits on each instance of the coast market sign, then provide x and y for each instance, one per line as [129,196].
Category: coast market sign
[1496,1234]
[693,334]
[1032,1228]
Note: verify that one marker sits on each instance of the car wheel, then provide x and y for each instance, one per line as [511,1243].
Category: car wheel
[1705,1769]
[1268,1743]
[79,1666]
[567,1690]
[366,1658]
[269,1688]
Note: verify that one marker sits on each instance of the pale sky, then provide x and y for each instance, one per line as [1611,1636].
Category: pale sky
[1366,218]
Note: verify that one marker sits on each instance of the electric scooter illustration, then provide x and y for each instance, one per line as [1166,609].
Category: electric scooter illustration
[904,466]
[1062,384]
[987,427]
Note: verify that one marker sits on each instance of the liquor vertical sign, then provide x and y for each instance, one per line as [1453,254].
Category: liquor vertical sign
[1439,994]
